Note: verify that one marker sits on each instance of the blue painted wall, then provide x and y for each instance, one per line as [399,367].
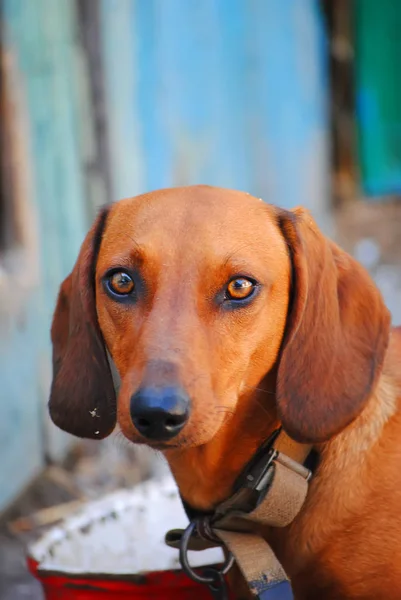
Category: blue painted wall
[225,92]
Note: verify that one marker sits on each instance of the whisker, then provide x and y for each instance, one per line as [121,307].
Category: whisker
[259,389]
[120,441]
[132,240]
[234,251]
[259,402]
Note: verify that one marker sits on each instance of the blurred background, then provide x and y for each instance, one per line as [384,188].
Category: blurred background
[294,101]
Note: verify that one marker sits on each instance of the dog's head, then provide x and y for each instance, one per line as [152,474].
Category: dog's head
[198,294]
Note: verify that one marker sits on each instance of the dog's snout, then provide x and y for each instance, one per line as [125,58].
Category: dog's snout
[159,413]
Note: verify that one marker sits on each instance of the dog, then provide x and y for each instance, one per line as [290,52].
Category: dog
[227,317]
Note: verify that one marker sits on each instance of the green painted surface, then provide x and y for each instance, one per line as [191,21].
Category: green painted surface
[41,36]
[378,94]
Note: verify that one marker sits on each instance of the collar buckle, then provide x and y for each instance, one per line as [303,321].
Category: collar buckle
[254,482]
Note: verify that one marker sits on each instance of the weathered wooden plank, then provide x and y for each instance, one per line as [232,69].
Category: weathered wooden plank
[120,68]
[93,103]
[289,102]
[20,431]
[230,93]
[42,36]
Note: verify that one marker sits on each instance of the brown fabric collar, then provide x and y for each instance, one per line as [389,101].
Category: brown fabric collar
[270,491]
[301,453]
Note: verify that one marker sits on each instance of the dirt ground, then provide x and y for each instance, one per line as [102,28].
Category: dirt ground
[371,232]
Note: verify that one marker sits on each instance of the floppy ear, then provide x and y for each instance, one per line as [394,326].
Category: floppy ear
[336,337]
[82,398]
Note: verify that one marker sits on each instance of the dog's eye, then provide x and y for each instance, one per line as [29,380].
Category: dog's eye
[240,288]
[121,283]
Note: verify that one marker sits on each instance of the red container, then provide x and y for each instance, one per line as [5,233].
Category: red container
[114,549]
[166,585]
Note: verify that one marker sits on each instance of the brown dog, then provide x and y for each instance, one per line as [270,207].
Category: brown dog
[226,317]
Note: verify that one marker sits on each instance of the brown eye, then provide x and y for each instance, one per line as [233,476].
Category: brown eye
[121,283]
[239,289]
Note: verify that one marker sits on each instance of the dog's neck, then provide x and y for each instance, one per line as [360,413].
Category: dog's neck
[205,474]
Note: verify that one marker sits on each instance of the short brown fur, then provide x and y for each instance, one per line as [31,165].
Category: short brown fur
[313,351]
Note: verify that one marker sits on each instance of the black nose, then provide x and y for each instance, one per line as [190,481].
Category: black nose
[159,413]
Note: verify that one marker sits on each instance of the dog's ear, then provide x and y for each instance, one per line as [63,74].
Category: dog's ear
[336,336]
[82,398]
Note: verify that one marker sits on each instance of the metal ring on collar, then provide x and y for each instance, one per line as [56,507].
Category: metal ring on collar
[186,536]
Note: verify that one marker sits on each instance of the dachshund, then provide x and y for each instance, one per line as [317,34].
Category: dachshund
[225,318]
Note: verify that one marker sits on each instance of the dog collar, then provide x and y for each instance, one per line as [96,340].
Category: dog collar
[270,491]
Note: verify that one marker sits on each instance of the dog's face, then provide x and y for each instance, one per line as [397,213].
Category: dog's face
[197,294]
[191,296]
